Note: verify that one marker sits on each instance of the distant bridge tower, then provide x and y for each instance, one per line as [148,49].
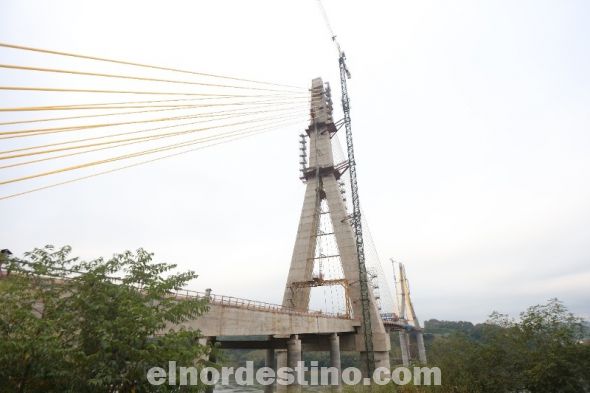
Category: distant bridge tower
[321,176]
[408,316]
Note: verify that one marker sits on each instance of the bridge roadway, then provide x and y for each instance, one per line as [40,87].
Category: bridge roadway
[242,323]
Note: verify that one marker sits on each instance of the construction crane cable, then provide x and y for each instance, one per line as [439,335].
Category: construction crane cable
[326,20]
[131,77]
[104,161]
[217,114]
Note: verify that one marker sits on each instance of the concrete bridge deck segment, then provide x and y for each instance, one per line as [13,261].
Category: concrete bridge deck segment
[231,316]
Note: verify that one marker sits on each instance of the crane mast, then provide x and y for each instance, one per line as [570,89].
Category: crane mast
[356,215]
[356,208]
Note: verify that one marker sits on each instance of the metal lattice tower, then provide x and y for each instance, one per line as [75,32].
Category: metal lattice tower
[356,217]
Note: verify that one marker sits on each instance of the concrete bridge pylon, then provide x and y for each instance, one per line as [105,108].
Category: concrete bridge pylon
[321,176]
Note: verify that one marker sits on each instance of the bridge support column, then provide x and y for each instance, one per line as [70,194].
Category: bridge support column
[293,359]
[213,359]
[281,355]
[270,362]
[405,347]
[335,361]
[421,349]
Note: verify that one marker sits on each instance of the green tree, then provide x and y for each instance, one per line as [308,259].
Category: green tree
[556,361]
[67,325]
[539,353]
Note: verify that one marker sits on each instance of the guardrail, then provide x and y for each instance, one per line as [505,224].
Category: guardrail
[392,319]
[230,301]
[227,301]
[389,317]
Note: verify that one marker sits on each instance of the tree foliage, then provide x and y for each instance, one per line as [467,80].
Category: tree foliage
[538,353]
[68,326]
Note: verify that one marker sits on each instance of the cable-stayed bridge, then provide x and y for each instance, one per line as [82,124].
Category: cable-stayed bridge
[163,112]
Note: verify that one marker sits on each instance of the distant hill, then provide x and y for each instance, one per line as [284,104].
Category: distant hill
[436,327]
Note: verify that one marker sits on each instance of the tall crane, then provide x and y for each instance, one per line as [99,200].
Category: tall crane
[356,220]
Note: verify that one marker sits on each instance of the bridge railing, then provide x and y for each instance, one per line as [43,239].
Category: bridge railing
[389,317]
[228,301]
[231,301]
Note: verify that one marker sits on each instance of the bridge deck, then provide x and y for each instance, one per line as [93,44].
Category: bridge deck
[231,316]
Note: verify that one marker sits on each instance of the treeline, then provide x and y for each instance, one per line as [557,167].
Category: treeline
[541,351]
[435,327]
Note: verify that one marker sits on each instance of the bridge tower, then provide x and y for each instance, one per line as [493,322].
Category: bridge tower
[408,316]
[321,176]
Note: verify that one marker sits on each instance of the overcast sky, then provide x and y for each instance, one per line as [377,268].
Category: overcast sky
[471,124]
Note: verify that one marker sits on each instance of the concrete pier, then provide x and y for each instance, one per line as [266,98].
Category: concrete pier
[293,359]
[270,362]
[404,346]
[335,361]
[421,348]
[281,357]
